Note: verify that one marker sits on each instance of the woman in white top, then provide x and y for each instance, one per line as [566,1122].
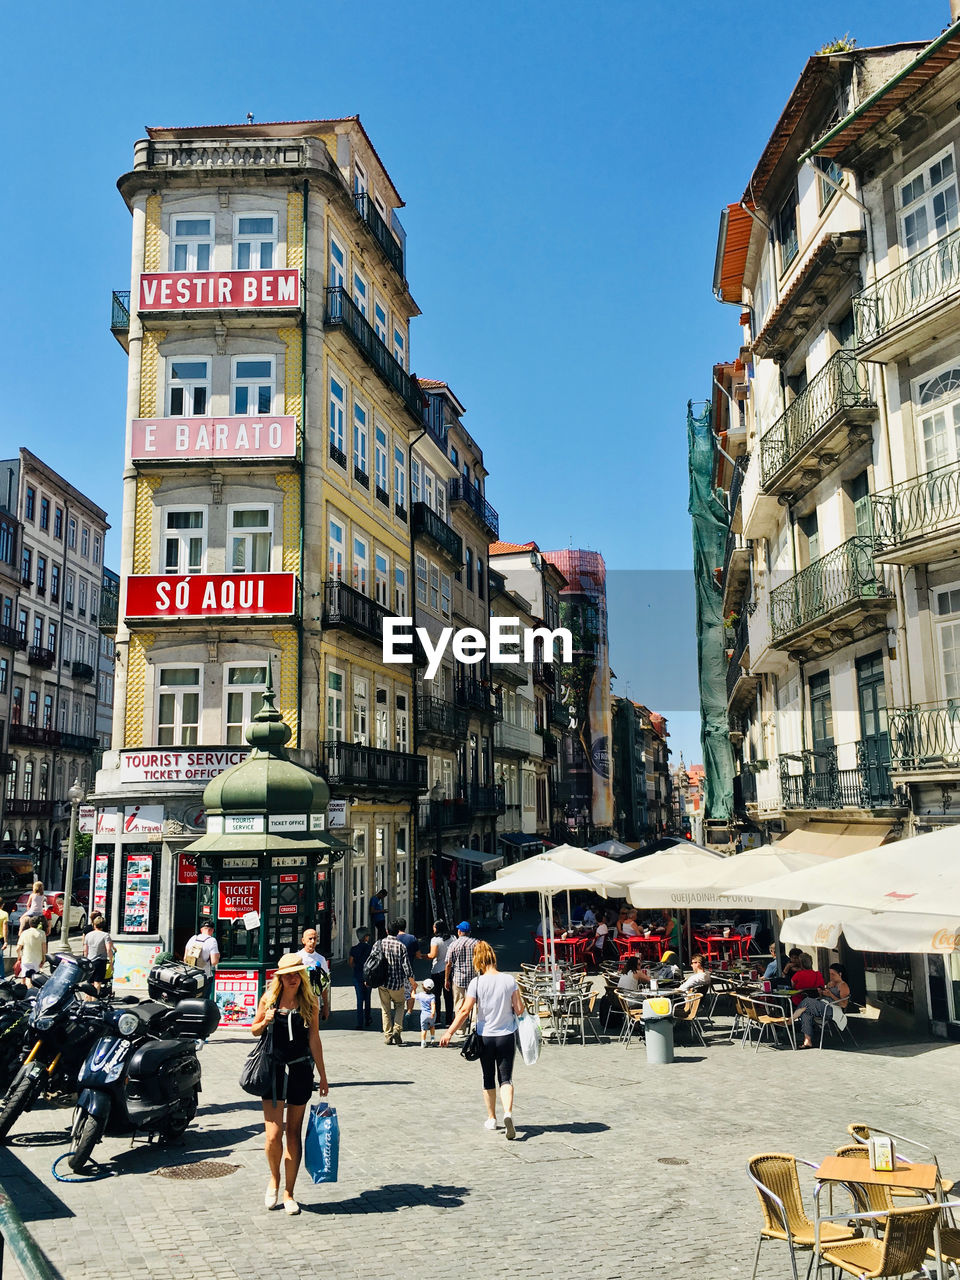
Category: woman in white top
[32,947]
[498,1006]
[437,955]
[36,905]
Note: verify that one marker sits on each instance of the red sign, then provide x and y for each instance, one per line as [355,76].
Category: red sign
[186,868]
[211,595]
[237,897]
[276,289]
[289,879]
[212,438]
[287,911]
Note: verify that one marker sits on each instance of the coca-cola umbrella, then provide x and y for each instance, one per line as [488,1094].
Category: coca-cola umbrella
[883,931]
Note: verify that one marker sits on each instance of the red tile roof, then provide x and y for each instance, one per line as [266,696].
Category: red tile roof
[506,548]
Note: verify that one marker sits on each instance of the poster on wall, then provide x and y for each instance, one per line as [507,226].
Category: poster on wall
[132,962]
[136,893]
[101,872]
[186,869]
[235,992]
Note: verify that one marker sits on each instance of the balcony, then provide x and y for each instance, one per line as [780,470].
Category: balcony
[78,742]
[426,523]
[905,309]
[109,611]
[741,682]
[82,671]
[7,763]
[515,673]
[838,598]
[351,765]
[120,317]
[28,735]
[343,313]
[443,815]
[544,673]
[439,721]
[462,491]
[825,274]
[736,571]
[392,250]
[827,420]
[11,638]
[760,512]
[479,698]
[814,780]
[486,801]
[925,741]
[345,607]
[919,520]
[734,492]
[28,808]
[39,656]
[512,740]
[744,792]
[550,746]
[557,714]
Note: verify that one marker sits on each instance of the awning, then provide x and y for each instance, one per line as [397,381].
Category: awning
[489,861]
[521,839]
[834,839]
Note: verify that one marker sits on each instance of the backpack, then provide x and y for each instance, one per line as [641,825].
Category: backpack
[194,952]
[375,967]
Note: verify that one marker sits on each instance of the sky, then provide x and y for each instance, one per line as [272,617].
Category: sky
[563,167]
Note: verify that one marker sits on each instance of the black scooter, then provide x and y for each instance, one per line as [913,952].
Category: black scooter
[134,1082]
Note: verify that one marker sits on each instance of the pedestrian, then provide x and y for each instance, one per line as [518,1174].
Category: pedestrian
[5,924]
[427,1001]
[202,952]
[32,947]
[437,955]
[290,1003]
[392,997]
[356,960]
[498,1003]
[317,968]
[413,950]
[378,914]
[499,902]
[459,969]
[36,905]
[98,948]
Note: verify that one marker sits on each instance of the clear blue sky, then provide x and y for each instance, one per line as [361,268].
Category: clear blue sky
[563,165]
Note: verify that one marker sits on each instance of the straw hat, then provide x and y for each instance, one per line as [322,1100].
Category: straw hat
[291,963]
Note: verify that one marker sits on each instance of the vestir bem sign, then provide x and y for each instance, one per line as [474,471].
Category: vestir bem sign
[213,595]
[237,897]
[220,290]
[213,438]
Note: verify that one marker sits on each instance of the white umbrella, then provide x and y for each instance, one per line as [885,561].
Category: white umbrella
[659,866]
[909,877]
[889,931]
[610,848]
[563,855]
[712,883]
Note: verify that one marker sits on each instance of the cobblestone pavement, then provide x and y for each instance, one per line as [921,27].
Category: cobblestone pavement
[618,1167]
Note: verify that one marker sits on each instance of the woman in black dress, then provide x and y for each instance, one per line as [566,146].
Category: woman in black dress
[290,1003]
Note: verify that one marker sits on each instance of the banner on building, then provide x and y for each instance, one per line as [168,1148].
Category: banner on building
[236,897]
[156,439]
[211,595]
[273,290]
[194,766]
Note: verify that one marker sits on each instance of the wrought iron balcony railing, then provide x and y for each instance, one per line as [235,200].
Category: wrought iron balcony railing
[486,800]
[109,611]
[557,713]
[925,736]
[841,384]
[28,808]
[120,311]
[905,293]
[351,764]
[427,522]
[917,508]
[844,576]
[78,742]
[475,696]
[342,312]
[442,719]
[40,656]
[11,638]
[462,491]
[736,483]
[443,815]
[28,735]
[813,780]
[343,606]
[82,671]
[384,237]
[741,642]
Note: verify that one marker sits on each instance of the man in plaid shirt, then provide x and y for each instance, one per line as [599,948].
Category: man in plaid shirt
[393,1001]
[460,972]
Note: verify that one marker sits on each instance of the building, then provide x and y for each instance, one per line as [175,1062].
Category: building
[106,657]
[840,466]
[267,490]
[51,566]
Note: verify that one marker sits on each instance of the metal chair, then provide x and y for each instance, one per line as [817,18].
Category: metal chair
[685,1015]
[755,1013]
[632,1019]
[902,1250]
[862,1133]
[777,1183]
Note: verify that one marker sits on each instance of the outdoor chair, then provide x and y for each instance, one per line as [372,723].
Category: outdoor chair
[839,1026]
[755,1013]
[901,1251]
[777,1183]
[632,1019]
[610,993]
[861,1133]
[869,1197]
[685,1015]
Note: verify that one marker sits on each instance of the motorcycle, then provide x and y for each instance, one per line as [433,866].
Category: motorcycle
[16,1001]
[62,1023]
[134,1082]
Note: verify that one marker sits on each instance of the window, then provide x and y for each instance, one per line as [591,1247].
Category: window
[469,554]
[41,574]
[12,778]
[380,460]
[7,614]
[399,346]
[253,383]
[335,706]
[243,684]
[337,402]
[927,202]
[38,630]
[85,542]
[16,708]
[441,499]
[52,637]
[28,780]
[829,169]
[44,513]
[381,724]
[359,292]
[361,553]
[58,522]
[434,588]
[381,579]
[94,601]
[445,595]
[97,546]
[400,592]
[185,541]
[26,567]
[250,539]
[178,706]
[67,649]
[335,552]
[399,477]
[359,437]
[421,579]
[939,414]
[7,542]
[48,711]
[30,503]
[191,244]
[338,264]
[33,708]
[359,178]
[786,228]
[401,723]
[4,674]
[54,582]
[23,619]
[43,789]
[862,510]
[480,586]
[380,321]
[254,241]
[428,487]
[82,597]
[414,480]
[69,584]
[188,388]
[454,456]
[361,690]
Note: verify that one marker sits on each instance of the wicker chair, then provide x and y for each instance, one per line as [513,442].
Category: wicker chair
[685,1015]
[632,1019]
[755,1013]
[870,1197]
[862,1132]
[900,1251]
[775,1177]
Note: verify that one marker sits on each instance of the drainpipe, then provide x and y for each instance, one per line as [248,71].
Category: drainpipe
[906,683]
[303,458]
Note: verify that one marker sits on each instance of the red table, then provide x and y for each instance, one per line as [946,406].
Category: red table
[640,946]
[714,943]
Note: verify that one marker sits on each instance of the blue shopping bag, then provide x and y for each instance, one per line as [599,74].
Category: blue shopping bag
[321,1153]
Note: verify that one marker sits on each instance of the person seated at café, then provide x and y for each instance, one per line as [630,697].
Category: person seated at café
[834,995]
[790,969]
[589,916]
[666,971]
[699,979]
[773,968]
[601,936]
[628,978]
[578,913]
[629,927]
[806,980]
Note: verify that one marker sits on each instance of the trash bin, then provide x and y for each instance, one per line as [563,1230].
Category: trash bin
[658,1030]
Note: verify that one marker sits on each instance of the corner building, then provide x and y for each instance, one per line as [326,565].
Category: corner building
[266,513]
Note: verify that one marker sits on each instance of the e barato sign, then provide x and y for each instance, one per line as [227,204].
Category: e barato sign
[219,438]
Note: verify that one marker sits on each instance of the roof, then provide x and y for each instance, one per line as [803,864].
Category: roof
[733,244]
[836,247]
[506,548]
[584,571]
[267,129]
[435,384]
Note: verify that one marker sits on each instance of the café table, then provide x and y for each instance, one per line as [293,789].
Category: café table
[639,945]
[714,944]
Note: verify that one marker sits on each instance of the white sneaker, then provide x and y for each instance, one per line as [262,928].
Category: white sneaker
[509,1126]
[490,1123]
[423,1044]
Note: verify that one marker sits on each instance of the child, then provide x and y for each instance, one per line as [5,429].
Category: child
[428,1011]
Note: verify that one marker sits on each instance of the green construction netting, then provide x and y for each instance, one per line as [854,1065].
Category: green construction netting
[710,523]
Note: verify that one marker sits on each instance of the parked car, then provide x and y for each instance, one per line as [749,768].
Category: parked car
[53,914]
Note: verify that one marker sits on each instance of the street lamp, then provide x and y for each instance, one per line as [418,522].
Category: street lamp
[76,795]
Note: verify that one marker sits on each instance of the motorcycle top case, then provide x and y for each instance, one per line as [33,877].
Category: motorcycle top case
[194,1019]
[175,981]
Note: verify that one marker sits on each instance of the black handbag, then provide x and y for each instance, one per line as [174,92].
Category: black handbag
[257,1076]
[471,1046]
